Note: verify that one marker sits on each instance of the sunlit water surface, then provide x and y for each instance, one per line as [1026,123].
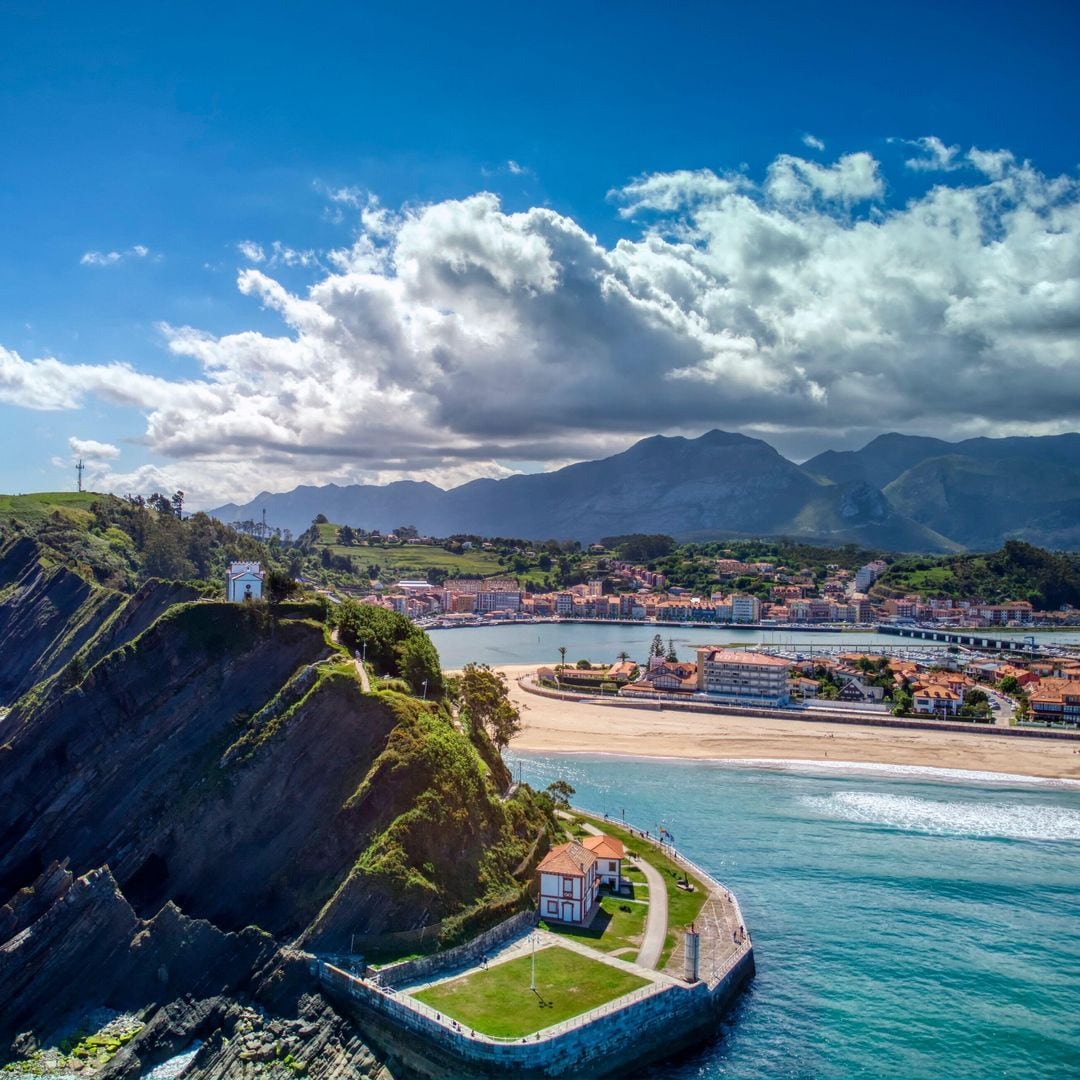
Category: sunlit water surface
[906,923]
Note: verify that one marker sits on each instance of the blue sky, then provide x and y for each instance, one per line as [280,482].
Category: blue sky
[140,146]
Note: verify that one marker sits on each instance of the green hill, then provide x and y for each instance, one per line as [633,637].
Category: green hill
[1019,571]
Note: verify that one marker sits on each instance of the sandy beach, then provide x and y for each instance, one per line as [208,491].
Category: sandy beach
[553,726]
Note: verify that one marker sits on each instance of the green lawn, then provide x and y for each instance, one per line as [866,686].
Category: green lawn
[613,928]
[683,907]
[38,506]
[498,1001]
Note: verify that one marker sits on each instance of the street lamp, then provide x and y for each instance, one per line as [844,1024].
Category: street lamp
[425,690]
[532,984]
[364,657]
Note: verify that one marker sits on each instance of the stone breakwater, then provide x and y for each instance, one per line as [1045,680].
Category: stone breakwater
[654,1022]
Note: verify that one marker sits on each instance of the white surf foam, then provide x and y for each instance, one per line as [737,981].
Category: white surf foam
[1016,821]
[925,772]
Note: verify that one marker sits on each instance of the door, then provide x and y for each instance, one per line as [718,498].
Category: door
[568,912]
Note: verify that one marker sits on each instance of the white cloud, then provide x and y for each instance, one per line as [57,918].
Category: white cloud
[278,254]
[254,253]
[852,179]
[813,142]
[992,163]
[111,258]
[453,337]
[937,156]
[515,168]
[91,448]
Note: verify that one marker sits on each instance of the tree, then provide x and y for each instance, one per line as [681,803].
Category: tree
[562,656]
[657,647]
[177,503]
[485,702]
[418,664]
[381,629]
[320,519]
[561,793]
[279,586]
[583,665]
[347,535]
[1009,685]
[623,656]
[164,553]
[671,655]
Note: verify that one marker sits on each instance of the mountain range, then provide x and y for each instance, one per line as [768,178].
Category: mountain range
[899,492]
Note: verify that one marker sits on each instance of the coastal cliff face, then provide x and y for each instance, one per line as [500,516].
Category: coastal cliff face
[187,789]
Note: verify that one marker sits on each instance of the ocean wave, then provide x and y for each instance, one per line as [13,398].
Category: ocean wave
[953,817]
[924,772]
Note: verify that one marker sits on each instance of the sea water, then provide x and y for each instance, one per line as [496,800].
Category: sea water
[906,923]
[538,643]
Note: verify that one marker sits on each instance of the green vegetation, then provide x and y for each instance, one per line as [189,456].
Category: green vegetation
[486,705]
[120,543]
[619,925]
[498,1002]
[456,843]
[1018,571]
[683,906]
[391,645]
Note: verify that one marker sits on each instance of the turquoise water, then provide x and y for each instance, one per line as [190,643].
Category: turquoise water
[538,643]
[902,927]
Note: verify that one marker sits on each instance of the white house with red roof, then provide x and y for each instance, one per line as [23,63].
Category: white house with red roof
[610,854]
[569,884]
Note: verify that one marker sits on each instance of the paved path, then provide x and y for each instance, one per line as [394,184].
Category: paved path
[656,922]
[359,664]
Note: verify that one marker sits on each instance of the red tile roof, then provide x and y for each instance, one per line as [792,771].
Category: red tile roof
[605,847]
[571,860]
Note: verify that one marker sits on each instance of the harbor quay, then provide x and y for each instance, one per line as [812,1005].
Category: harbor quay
[653,1004]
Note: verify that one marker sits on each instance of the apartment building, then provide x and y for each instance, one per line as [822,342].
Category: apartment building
[743,676]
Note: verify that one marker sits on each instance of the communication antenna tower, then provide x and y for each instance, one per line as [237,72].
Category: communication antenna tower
[79,468]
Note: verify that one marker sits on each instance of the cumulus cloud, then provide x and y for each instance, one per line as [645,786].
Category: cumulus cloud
[813,142]
[91,448]
[853,178]
[111,258]
[454,336]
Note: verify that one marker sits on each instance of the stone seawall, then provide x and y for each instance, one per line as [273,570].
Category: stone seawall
[461,956]
[651,1024]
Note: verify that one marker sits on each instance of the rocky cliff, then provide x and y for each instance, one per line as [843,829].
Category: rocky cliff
[188,789]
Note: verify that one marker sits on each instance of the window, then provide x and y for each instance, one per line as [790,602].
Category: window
[613,866]
[553,907]
[567,886]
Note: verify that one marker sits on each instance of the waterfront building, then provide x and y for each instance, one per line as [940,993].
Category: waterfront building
[743,676]
[498,600]
[610,854]
[569,885]
[745,609]
[1055,700]
[936,700]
